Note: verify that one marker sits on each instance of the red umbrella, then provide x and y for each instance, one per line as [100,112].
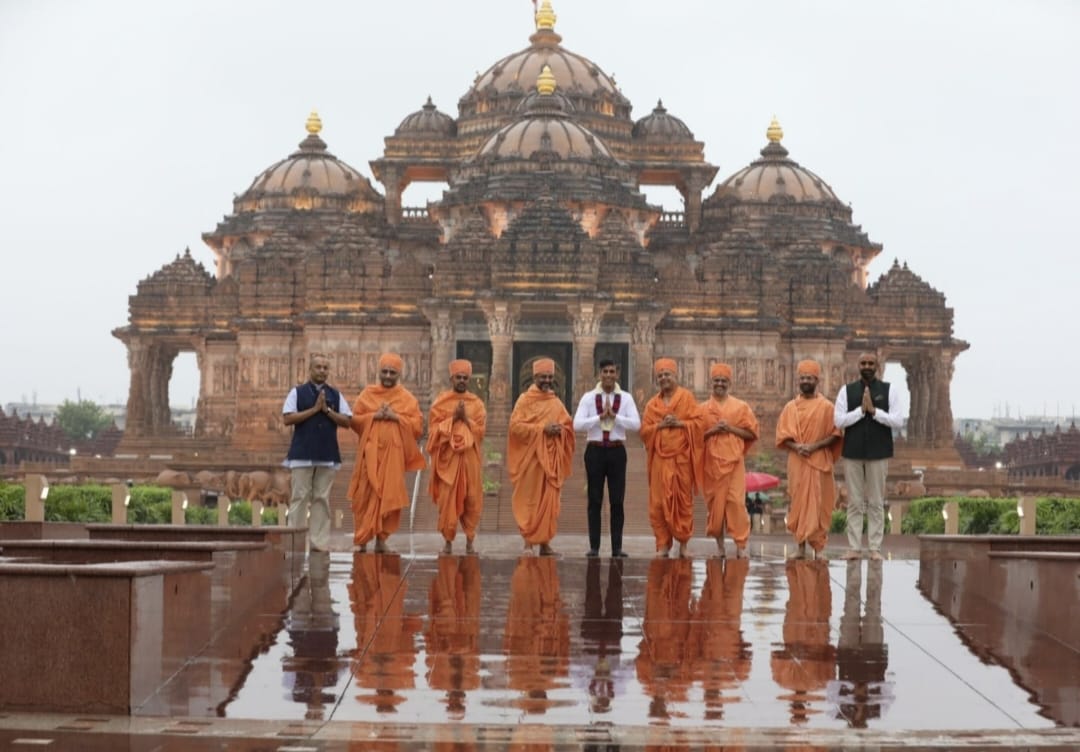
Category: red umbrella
[760,482]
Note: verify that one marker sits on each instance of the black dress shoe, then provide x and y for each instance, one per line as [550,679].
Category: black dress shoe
[619,555]
[592,553]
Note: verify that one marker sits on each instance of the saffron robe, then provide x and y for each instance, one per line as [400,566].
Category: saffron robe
[538,463]
[674,465]
[810,479]
[724,469]
[456,486]
[386,450]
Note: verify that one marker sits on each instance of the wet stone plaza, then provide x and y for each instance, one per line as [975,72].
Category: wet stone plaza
[414,650]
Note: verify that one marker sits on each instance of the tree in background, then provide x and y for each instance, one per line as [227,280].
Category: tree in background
[81,420]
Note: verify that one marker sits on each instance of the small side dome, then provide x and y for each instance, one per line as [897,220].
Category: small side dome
[659,126]
[309,178]
[776,176]
[427,122]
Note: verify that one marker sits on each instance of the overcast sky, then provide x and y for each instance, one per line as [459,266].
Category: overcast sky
[952,128]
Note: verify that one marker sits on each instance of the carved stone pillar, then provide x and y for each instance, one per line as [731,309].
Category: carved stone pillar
[443,337]
[501,320]
[920,401]
[695,184]
[585,318]
[391,180]
[642,341]
[138,402]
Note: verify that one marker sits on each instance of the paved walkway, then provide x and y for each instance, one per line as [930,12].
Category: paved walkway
[415,651]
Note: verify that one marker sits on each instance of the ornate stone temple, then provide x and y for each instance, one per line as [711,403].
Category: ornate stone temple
[542,244]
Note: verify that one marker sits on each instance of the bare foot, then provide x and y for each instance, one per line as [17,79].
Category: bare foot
[448,548]
[381,547]
[742,553]
[799,552]
[528,550]
[362,548]
[546,550]
[663,553]
[469,547]
[682,554]
[850,555]
[876,556]
[720,553]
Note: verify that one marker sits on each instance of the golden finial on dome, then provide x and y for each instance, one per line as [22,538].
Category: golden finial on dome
[545,17]
[775,133]
[545,82]
[314,123]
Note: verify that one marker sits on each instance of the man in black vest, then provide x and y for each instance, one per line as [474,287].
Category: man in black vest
[605,415]
[315,410]
[868,444]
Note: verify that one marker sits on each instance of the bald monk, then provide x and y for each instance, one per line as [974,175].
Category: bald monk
[539,457]
[388,420]
[672,433]
[813,443]
[730,430]
[455,434]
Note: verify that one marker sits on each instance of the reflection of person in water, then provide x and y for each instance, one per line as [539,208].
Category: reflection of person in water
[722,657]
[385,634]
[664,660]
[312,626]
[452,639]
[805,663]
[862,656]
[537,633]
[601,630]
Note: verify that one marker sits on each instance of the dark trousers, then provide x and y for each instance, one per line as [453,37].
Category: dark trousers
[606,463]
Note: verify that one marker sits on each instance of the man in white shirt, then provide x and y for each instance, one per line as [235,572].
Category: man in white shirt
[605,414]
[868,444]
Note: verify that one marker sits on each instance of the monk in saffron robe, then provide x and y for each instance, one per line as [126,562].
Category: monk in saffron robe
[537,636]
[813,442]
[666,660]
[721,655]
[389,422]
[455,434]
[806,661]
[730,430]
[452,639]
[540,455]
[672,432]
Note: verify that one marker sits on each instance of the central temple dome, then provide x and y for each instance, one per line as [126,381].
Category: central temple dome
[501,87]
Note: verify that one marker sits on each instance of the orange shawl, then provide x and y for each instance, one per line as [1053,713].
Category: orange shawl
[810,479]
[454,447]
[538,463]
[664,445]
[724,450]
[386,449]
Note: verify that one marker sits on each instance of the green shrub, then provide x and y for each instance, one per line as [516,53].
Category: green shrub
[198,515]
[980,516]
[78,504]
[150,505]
[12,502]
[240,514]
[924,517]
[1057,516]
[839,522]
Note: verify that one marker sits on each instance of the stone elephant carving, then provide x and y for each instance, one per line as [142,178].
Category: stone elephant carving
[232,484]
[269,488]
[910,489]
[209,481]
[172,479]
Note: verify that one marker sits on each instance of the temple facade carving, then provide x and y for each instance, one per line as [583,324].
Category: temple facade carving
[542,243]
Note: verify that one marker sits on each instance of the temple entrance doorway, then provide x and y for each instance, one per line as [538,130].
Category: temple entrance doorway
[561,352]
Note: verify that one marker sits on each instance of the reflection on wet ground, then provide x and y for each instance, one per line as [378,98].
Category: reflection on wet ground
[667,643]
[416,652]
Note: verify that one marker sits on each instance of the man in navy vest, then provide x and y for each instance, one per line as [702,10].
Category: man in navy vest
[605,415]
[315,410]
[868,444]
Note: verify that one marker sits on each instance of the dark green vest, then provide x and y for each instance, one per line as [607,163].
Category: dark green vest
[868,439]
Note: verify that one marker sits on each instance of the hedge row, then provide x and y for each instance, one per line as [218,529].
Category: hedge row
[982,517]
[149,505]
